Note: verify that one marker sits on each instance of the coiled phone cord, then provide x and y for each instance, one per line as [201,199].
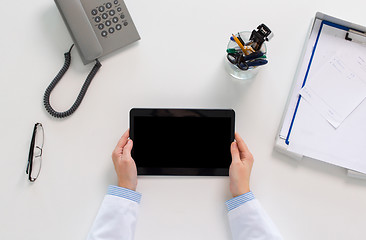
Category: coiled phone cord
[46,97]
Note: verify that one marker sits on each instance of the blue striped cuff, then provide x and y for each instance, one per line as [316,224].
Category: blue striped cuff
[124,193]
[239,200]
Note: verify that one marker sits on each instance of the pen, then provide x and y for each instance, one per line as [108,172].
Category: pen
[240,39]
[233,50]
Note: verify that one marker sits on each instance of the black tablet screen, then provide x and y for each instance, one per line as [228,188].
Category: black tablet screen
[183,145]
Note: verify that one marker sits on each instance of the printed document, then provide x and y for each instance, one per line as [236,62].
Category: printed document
[339,86]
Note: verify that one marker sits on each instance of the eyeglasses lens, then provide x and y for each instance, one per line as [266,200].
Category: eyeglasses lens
[36,163]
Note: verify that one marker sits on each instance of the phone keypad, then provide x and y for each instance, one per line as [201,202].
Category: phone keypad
[109,18]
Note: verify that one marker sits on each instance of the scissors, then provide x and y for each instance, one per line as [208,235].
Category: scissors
[252,63]
[245,61]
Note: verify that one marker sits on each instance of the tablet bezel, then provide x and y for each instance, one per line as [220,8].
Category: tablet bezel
[180,112]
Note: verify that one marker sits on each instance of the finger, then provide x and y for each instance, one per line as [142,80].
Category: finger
[234,152]
[243,148]
[123,140]
[127,149]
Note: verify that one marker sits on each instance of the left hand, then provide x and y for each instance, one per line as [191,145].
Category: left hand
[124,164]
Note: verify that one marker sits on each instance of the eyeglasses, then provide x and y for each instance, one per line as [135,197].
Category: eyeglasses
[35,153]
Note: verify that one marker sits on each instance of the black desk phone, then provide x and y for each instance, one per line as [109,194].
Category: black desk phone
[97,27]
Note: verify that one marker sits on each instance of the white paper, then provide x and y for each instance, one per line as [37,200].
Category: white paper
[314,137]
[339,86]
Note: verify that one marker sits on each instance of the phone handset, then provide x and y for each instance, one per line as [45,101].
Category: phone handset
[80,29]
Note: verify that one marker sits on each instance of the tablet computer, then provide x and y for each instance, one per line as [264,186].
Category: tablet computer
[192,142]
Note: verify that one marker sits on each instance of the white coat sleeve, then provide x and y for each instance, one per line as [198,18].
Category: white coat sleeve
[249,221]
[116,218]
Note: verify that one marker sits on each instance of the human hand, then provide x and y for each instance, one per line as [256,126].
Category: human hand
[124,164]
[240,168]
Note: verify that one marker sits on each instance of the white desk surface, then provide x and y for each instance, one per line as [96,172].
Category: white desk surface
[177,63]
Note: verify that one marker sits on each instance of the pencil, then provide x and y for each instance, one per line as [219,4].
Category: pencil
[238,42]
[244,49]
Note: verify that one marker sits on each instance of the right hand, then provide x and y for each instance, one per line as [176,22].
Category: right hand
[240,168]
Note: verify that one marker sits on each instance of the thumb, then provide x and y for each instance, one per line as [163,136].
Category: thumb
[235,152]
[127,149]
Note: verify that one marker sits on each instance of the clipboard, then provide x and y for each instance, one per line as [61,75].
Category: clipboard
[354,33]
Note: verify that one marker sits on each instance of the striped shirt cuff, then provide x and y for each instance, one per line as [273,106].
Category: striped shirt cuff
[239,200]
[124,193]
